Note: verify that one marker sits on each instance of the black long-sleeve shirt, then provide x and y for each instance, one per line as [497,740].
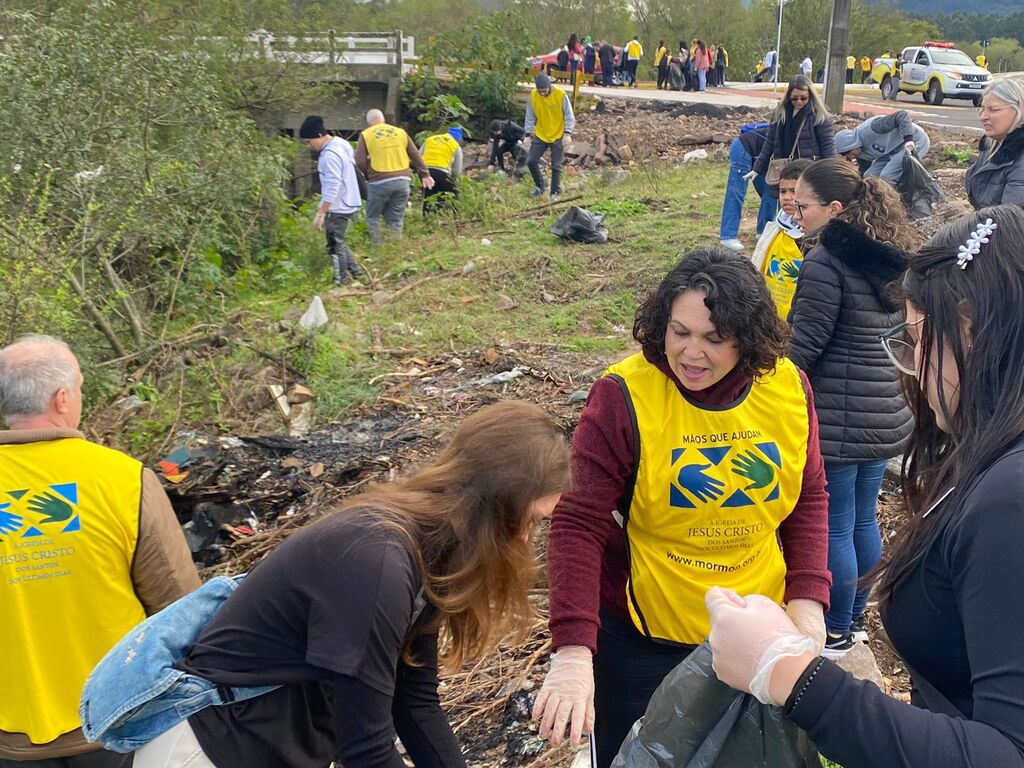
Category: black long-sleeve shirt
[505,142]
[958,623]
[326,616]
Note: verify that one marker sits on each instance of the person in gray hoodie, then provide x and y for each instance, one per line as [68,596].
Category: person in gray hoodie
[880,143]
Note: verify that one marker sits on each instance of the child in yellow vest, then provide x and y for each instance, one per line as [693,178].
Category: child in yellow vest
[777,254]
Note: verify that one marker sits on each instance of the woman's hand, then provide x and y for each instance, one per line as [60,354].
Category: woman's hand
[755,646]
[750,176]
[567,696]
[809,618]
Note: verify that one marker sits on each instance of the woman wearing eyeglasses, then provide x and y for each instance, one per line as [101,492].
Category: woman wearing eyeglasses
[846,297]
[800,127]
[997,176]
[951,585]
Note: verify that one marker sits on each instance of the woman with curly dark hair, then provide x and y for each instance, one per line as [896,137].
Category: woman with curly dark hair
[846,297]
[690,457]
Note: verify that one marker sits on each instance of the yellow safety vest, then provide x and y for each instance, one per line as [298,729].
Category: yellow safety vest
[711,488]
[780,269]
[549,113]
[660,54]
[851,62]
[439,150]
[634,50]
[386,147]
[69,524]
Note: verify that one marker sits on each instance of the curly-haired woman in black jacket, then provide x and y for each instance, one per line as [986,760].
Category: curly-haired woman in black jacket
[846,298]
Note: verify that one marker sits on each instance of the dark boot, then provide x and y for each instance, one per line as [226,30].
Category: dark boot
[354,267]
[340,271]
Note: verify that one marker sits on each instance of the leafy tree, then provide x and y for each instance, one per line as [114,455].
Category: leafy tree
[123,166]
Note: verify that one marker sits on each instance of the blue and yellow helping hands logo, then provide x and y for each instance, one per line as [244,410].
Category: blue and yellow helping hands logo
[702,476]
[785,268]
[27,514]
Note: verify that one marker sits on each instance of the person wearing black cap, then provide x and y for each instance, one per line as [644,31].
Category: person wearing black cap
[340,199]
[549,124]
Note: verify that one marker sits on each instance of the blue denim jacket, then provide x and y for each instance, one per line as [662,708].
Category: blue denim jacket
[134,694]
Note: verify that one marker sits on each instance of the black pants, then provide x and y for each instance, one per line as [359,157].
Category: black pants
[627,669]
[443,182]
[663,74]
[98,759]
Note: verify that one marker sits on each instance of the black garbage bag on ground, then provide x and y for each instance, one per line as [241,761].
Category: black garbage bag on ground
[694,720]
[918,189]
[581,225]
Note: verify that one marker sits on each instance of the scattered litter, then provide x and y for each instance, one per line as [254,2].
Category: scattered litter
[696,154]
[277,393]
[314,316]
[498,378]
[505,302]
[579,396]
[291,463]
[469,267]
[316,470]
[484,241]
[299,394]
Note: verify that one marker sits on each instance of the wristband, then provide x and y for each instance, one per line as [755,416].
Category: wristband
[802,684]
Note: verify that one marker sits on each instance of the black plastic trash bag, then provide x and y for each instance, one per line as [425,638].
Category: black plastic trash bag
[918,189]
[581,225]
[694,720]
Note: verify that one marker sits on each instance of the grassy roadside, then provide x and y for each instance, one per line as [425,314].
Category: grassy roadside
[494,277]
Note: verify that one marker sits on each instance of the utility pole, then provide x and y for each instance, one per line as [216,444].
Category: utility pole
[778,45]
[838,49]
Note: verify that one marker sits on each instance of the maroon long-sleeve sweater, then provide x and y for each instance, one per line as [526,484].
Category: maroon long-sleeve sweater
[587,566]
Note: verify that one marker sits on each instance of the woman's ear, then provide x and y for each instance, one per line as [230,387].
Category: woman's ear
[834,209]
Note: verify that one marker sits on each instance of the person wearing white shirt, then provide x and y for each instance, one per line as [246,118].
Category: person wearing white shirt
[339,195]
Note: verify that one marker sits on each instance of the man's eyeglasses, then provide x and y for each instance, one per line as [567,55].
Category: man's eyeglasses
[801,206]
[901,348]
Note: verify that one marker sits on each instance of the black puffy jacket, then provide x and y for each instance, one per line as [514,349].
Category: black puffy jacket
[815,141]
[845,299]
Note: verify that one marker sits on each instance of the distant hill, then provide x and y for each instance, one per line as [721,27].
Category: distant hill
[937,7]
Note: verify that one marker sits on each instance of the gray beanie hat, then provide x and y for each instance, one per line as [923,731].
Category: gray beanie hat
[542,81]
[847,140]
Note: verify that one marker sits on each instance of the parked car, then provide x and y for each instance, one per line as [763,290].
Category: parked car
[549,63]
[937,71]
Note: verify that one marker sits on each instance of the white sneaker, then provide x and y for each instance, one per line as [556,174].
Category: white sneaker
[733,245]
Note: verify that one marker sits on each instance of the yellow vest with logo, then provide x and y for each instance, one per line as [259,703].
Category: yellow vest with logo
[780,269]
[386,147]
[712,486]
[549,113]
[439,150]
[69,524]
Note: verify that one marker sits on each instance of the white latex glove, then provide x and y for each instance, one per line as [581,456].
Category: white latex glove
[749,637]
[318,221]
[809,618]
[566,139]
[750,176]
[567,696]
[428,182]
[910,146]
[526,142]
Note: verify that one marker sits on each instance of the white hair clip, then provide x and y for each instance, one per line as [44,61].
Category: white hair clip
[972,247]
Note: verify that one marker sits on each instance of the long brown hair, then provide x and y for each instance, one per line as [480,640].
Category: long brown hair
[466,517]
[871,205]
[815,107]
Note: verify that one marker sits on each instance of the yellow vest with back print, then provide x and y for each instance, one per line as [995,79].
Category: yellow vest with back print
[438,151]
[386,147]
[781,270]
[712,486]
[549,113]
[69,525]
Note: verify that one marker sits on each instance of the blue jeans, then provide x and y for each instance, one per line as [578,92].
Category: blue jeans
[854,543]
[388,198]
[740,164]
[702,79]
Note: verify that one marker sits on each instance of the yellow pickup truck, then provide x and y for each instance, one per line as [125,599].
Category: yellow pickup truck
[937,71]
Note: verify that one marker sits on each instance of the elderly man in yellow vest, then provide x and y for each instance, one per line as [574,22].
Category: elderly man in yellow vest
[549,124]
[89,546]
[442,153]
[384,153]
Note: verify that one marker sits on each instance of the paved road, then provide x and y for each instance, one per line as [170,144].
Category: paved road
[957,115]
